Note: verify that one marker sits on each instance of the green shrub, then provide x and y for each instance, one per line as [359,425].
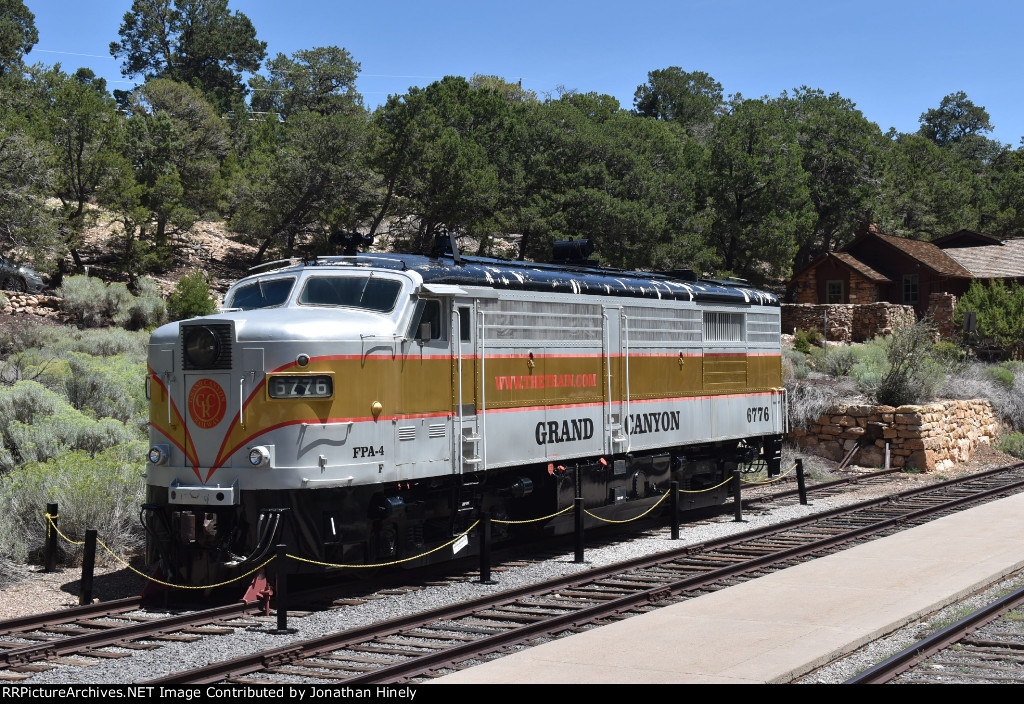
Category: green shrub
[37,424]
[1002,375]
[147,310]
[99,342]
[1000,309]
[803,340]
[871,364]
[1012,444]
[191,298]
[92,303]
[794,365]
[952,357]
[839,361]
[84,298]
[116,304]
[103,492]
[106,387]
[1014,365]
[905,371]
[107,343]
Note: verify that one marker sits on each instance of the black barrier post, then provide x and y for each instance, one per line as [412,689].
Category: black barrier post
[736,495]
[579,529]
[88,563]
[485,548]
[674,498]
[50,546]
[578,506]
[800,487]
[282,591]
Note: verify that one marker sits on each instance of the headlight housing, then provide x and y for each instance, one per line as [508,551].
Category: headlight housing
[202,347]
[259,456]
[159,454]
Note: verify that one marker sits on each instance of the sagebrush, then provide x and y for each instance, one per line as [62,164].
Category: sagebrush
[102,492]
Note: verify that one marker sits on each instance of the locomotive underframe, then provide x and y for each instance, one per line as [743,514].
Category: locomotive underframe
[383,524]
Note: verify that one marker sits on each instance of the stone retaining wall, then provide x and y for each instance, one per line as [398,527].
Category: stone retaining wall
[930,438]
[847,322]
[33,304]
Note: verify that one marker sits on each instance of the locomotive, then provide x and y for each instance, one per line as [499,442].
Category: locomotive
[366,409]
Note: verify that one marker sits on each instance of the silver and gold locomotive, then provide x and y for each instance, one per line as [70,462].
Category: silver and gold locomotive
[384,401]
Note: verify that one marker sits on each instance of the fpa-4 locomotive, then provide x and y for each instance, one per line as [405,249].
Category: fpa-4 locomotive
[386,400]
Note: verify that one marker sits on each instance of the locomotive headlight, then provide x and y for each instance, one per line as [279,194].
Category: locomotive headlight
[202,347]
[259,456]
[159,454]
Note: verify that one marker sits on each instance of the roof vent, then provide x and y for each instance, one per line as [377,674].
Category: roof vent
[572,251]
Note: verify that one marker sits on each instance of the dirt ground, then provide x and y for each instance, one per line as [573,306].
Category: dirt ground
[208,247]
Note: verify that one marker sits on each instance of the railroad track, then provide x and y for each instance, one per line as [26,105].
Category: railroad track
[986,646]
[89,629]
[423,645]
[27,643]
[827,489]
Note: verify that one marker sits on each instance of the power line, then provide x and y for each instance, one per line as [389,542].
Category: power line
[72,53]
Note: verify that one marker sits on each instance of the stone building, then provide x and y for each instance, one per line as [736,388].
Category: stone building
[874,269]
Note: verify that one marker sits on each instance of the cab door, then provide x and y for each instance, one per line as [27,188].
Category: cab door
[469,449]
[422,427]
[614,383]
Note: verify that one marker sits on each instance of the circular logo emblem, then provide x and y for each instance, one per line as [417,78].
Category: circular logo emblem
[207,403]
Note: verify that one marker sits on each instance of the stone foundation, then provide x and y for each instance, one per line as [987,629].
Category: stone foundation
[930,438]
[847,322]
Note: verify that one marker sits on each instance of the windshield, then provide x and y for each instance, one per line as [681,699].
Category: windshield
[262,293]
[369,292]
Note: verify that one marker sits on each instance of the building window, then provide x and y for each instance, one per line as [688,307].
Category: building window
[910,289]
[834,292]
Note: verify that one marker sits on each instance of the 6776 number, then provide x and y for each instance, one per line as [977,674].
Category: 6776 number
[757,414]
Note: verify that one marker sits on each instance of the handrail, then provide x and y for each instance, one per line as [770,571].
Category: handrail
[625,344]
[456,329]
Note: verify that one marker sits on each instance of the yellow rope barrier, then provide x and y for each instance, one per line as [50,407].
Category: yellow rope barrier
[117,557]
[532,520]
[606,520]
[771,481]
[51,524]
[388,564]
[185,586]
[710,488]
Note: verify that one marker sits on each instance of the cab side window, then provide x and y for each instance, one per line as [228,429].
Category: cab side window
[427,313]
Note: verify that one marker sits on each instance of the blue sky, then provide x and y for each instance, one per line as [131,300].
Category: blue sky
[895,59]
